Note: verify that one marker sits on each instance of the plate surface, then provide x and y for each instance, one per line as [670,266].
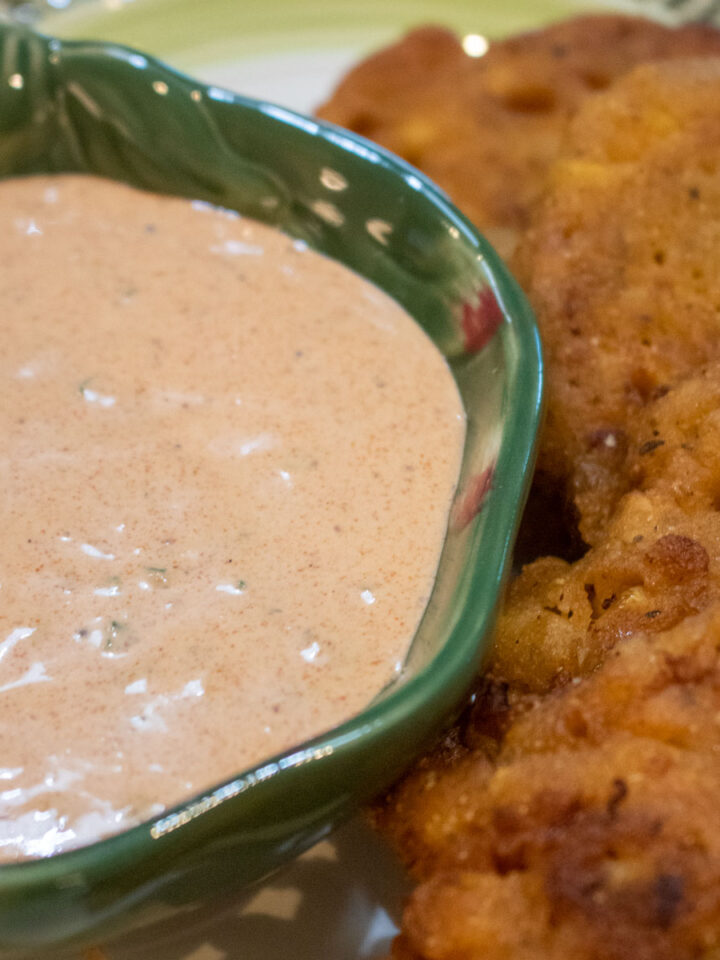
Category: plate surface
[341,899]
[288,51]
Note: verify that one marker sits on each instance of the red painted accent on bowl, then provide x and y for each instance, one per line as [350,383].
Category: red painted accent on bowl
[471,501]
[480,320]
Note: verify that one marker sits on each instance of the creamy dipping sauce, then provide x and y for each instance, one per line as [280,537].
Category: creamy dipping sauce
[227,465]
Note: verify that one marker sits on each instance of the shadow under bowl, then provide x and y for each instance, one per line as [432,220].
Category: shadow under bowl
[109,110]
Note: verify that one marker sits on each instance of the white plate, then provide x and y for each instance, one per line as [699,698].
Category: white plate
[290,51]
[341,901]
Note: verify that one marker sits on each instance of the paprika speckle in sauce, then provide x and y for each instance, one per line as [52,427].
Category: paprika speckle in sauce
[227,463]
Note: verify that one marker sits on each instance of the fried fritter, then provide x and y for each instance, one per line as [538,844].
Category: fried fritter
[486,129]
[622,267]
[582,822]
[573,812]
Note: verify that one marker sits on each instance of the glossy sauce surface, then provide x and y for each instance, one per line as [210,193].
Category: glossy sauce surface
[227,465]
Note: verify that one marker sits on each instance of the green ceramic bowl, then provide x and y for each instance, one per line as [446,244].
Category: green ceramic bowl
[112,111]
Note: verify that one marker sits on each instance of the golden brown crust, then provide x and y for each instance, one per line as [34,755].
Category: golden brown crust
[657,562]
[593,833]
[618,267]
[486,129]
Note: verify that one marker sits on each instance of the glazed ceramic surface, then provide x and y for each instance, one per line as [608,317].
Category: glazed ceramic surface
[85,106]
